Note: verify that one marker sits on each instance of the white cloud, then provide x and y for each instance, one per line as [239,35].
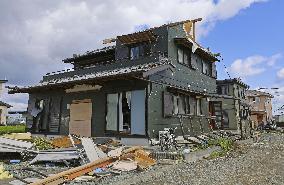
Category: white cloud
[273,59]
[280,73]
[248,66]
[253,65]
[36,35]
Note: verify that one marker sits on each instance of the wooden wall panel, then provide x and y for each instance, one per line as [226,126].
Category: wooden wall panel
[80,118]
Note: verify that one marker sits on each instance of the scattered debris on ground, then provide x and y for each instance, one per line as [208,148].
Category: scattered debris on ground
[72,159]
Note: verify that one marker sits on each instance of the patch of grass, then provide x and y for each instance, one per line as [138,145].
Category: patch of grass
[12,129]
[225,144]
[217,154]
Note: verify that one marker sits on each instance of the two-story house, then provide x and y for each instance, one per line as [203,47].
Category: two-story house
[3,106]
[261,107]
[134,88]
[230,107]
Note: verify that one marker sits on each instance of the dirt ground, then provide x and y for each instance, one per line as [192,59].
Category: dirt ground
[250,163]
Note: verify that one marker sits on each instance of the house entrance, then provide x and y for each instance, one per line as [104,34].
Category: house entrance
[126,112]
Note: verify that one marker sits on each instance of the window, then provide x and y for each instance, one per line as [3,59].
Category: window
[206,68]
[184,56]
[134,53]
[126,112]
[198,107]
[238,92]
[225,90]
[139,50]
[257,99]
[180,104]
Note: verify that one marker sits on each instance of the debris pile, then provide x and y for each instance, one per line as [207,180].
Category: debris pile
[83,158]
[73,158]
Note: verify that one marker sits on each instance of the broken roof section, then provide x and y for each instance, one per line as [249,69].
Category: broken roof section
[254,93]
[106,51]
[148,36]
[142,70]
[145,36]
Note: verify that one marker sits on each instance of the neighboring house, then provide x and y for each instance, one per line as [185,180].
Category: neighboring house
[1,86]
[279,120]
[135,88]
[261,107]
[230,107]
[3,112]
[16,117]
[3,106]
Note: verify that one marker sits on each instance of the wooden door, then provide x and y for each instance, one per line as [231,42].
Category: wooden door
[81,117]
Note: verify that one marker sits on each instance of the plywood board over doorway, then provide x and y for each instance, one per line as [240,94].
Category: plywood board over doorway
[81,117]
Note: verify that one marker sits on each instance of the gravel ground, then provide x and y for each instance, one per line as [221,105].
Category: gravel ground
[259,163]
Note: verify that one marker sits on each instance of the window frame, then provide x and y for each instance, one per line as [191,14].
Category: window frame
[184,52]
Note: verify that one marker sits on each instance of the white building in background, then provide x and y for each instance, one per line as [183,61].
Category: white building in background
[3,106]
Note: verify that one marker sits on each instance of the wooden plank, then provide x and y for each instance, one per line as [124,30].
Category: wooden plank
[74,172]
[81,170]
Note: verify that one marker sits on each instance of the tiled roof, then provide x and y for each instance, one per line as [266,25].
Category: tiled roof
[234,80]
[257,93]
[96,75]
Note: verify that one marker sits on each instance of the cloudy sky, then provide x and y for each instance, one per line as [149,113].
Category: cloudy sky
[36,35]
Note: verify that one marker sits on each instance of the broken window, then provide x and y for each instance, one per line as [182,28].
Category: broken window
[179,104]
[134,53]
[184,56]
[125,112]
[139,50]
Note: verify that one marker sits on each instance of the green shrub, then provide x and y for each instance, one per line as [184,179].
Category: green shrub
[12,129]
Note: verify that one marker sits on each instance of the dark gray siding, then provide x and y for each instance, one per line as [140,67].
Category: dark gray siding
[98,103]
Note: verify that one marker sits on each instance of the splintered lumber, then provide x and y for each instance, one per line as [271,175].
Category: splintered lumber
[74,172]
[64,142]
[143,159]
[71,174]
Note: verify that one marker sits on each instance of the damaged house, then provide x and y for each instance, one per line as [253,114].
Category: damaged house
[230,107]
[135,88]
